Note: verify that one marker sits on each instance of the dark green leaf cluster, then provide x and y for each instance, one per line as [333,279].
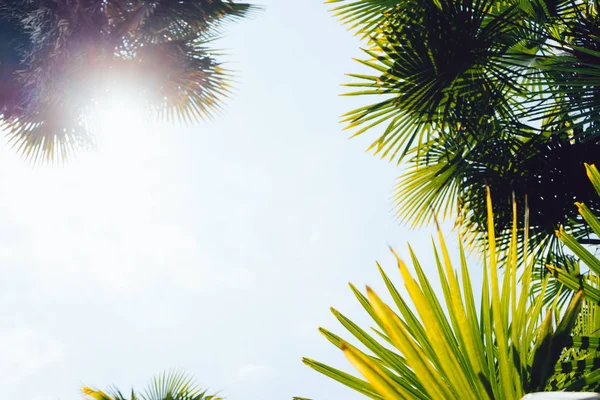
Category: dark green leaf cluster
[476,93]
[425,346]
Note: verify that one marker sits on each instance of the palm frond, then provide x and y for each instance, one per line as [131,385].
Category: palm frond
[483,93]
[186,81]
[166,386]
[431,347]
[455,69]
[176,20]
[71,48]
[363,16]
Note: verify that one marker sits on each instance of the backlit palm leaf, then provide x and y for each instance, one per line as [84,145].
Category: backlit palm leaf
[588,282]
[431,347]
[483,93]
[75,49]
[437,67]
[179,20]
[167,386]
[364,16]
[586,353]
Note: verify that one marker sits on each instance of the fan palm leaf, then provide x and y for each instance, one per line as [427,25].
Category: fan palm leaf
[177,20]
[476,94]
[76,48]
[167,386]
[363,16]
[456,69]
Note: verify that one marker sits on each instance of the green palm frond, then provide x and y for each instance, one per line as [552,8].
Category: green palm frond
[363,16]
[555,291]
[546,174]
[41,137]
[584,349]
[444,173]
[571,72]
[177,20]
[455,70]
[426,346]
[167,386]
[187,82]
[483,93]
[578,281]
[450,176]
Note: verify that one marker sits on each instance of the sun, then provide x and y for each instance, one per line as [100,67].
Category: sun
[125,140]
[119,119]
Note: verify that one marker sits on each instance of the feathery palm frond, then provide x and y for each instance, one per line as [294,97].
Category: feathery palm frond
[167,386]
[450,350]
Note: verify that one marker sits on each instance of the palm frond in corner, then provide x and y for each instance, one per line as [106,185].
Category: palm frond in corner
[69,51]
[166,386]
[424,345]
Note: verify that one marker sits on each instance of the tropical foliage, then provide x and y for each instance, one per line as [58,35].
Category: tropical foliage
[476,93]
[587,282]
[167,386]
[57,57]
[429,347]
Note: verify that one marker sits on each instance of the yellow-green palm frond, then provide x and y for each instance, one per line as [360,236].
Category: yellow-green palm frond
[166,386]
[463,344]
[587,281]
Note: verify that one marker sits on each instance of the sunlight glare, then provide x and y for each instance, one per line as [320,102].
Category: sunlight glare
[119,120]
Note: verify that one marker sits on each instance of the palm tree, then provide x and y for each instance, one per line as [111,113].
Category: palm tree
[424,346]
[476,93]
[56,56]
[167,386]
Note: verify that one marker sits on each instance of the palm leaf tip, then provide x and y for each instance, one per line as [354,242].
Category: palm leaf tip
[171,385]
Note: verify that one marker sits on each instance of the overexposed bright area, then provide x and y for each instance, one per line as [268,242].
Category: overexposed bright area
[216,248]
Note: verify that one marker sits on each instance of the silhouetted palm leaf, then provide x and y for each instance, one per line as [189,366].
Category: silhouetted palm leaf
[476,94]
[440,67]
[75,48]
[363,16]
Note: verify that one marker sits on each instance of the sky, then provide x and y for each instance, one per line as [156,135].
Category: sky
[216,248]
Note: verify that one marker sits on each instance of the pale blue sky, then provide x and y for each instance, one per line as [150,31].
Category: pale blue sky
[218,248]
